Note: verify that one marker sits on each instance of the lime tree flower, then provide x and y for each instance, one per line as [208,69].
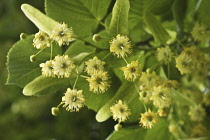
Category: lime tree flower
[184,63]
[73,100]
[149,79]
[132,70]
[197,113]
[93,65]
[171,84]
[47,69]
[200,33]
[62,34]
[98,82]
[120,111]
[148,119]
[41,40]
[189,60]
[63,66]
[145,96]
[120,46]
[199,130]
[164,54]
[161,97]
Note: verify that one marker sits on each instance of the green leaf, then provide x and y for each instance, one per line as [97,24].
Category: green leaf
[119,21]
[160,34]
[79,47]
[136,21]
[171,69]
[136,107]
[79,51]
[82,15]
[103,43]
[179,12]
[158,6]
[125,133]
[21,70]
[203,12]
[44,85]
[126,93]
[43,22]
[159,131]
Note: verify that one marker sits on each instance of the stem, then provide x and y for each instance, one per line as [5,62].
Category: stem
[155,66]
[144,107]
[83,76]
[102,23]
[125,60]
[197,6]
[59,105]
[106,56]
[76,81]
[39,51]
[51,52]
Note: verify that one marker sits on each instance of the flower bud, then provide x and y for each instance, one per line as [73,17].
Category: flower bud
[96,38]
[33,58]
[55,111]
[23,36]
[117,127]
[162,112]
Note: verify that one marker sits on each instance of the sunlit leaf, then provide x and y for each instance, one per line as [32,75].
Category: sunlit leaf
[128,133]
[43,22]
[119,21]
[44,85]
[203,11]
[21,70]
[82,15]
[126,93]
[160,34]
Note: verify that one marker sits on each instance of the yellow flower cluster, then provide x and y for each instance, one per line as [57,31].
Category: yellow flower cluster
[197,113]
[41,40]
[164,55]
[60,33]
[120,111]
[191,59]
[198,131]
[120,46]
[132,70]
[73,100]
[153,89]
[161,97]
[149,79]
[94,65]
[98,82]
[61,66]
[148,119]
[200,33]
